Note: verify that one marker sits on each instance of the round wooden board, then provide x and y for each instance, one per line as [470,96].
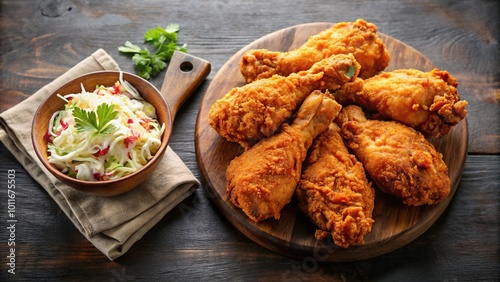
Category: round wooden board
[293,235]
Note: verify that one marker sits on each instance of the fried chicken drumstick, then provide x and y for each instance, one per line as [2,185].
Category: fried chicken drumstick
[426,101]
[398,158]
[359,38]
[262,180]
[247,114]
[334,191]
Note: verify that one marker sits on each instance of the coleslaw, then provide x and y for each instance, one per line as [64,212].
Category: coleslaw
[128,140]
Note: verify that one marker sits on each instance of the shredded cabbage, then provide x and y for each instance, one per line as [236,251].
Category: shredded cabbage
[134,141]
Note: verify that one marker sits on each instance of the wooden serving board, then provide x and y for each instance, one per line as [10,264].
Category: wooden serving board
[293,234]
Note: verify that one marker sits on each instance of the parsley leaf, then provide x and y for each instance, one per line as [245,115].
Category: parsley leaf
[105,114]
[172,28]
[128,47]
[96,122]
[149,64]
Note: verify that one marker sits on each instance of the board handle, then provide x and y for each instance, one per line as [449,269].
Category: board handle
[184,74]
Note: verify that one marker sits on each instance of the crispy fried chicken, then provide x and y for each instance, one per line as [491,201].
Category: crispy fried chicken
[262,180]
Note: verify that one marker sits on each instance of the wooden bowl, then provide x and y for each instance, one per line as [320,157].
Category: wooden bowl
[184,75]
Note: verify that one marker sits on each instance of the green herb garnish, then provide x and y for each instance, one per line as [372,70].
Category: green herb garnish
[97,124]
[164,40]
[350,72]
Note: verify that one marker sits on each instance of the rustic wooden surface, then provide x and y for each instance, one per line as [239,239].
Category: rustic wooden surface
[42,39]
[395,223]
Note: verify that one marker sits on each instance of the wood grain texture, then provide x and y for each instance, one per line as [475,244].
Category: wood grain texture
[461,38]
[195,242]
[293,235]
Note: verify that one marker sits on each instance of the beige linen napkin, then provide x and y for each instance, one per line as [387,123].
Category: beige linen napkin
[112,224]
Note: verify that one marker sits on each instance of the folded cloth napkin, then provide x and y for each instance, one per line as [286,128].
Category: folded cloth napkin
[112,224]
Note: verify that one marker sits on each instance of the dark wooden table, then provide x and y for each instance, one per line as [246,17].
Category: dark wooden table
[41,39]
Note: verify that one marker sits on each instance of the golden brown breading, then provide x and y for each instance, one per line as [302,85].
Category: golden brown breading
[334,191]
[262,180]
[398,158]
[426,101]
[248,113]
[359,38]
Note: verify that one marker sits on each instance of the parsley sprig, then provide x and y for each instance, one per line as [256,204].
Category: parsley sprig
[97,124]
[164,40]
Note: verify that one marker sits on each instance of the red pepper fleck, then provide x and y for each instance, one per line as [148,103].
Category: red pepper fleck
[64,124]
[129,121]
[115,89]
[129,140]
[98,176]
[47,137]
[101,152]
